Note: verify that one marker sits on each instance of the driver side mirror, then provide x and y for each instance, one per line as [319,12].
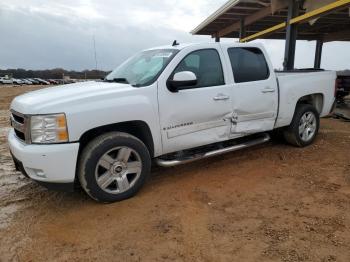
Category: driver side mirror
[182,80]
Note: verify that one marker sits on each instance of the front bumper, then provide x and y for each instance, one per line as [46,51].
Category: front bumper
[45,163]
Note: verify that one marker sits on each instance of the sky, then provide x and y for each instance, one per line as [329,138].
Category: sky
[45,34]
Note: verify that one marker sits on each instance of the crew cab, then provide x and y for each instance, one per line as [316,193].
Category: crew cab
[166,105]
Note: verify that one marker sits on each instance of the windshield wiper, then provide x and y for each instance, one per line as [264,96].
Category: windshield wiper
[117,80]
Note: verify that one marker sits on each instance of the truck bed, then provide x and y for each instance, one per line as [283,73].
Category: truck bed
[301,83]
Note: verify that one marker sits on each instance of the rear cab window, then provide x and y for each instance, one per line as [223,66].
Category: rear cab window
[248,64]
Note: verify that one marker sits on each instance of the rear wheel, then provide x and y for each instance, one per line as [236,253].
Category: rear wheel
[114,166]
[304,126]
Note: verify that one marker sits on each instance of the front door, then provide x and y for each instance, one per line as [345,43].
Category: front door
[201,114]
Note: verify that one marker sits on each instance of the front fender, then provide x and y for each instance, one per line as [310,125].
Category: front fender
[133,106]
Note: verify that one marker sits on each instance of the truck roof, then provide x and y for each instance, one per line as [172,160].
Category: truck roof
[181,46]
[177,47]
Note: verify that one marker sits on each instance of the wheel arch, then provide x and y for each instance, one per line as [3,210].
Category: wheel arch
[137,128]
[290,101]
[292,132]
[316,100]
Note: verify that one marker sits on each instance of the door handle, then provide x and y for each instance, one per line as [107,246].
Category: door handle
[268,90]
[221,97]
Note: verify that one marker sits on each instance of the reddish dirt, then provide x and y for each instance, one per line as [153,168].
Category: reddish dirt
[269,203]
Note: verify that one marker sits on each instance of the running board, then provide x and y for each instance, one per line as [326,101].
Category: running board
[257,141]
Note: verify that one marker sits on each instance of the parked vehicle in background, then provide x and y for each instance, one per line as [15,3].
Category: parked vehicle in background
[5,80]
[34,82]
[69,81]
[52,81]
[60,81]
[26,82]
[343,85]
[17,81]
[172,104]
[42,81]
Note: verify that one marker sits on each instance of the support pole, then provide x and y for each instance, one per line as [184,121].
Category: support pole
[318,54]
[291,36]
[242,29]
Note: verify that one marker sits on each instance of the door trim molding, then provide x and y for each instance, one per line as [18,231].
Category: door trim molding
[251,117]
[196,128]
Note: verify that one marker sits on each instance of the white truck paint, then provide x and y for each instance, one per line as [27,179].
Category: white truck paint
[176,120]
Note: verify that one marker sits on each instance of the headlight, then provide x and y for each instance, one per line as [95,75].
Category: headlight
[48,129]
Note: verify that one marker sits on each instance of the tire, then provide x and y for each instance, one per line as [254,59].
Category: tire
[277,135]
[113,167]
[307,119]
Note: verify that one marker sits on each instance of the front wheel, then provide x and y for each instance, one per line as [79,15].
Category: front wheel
[113,167]
[304,126]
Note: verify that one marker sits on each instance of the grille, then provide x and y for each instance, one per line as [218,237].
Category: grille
[19,119]
[20,124]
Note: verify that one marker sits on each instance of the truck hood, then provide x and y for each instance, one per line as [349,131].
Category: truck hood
[56,99]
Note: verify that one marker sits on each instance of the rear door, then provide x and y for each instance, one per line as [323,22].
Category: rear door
[254,91]
[201,114]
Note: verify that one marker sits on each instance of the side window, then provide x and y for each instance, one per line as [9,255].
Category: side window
[206,65]
[248,64]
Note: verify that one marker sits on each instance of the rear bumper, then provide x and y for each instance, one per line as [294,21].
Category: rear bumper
[45,163]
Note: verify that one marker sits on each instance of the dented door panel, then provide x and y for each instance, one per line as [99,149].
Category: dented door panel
[197,116]
[194,118]
[254,90]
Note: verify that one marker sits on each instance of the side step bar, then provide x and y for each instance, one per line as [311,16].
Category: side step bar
[169,163]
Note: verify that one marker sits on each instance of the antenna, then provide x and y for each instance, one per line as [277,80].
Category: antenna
[175,43]
[93,37]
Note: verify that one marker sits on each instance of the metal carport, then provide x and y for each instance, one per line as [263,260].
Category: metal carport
[320,20]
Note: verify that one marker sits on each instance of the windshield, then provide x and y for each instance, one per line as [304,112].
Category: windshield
[143,68]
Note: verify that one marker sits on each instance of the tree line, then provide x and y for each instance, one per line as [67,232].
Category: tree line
[57,73]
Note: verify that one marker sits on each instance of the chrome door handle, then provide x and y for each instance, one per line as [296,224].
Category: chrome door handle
[268,90]
[221,97]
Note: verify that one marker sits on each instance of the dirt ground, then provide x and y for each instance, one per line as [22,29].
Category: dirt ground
[269,203]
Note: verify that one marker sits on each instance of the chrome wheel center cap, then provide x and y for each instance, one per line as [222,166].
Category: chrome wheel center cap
[117,168]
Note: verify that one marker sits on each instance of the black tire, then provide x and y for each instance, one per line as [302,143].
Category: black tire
[291,134]
[90,159]
[277,135]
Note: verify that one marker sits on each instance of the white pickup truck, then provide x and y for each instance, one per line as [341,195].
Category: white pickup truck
[172,105]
